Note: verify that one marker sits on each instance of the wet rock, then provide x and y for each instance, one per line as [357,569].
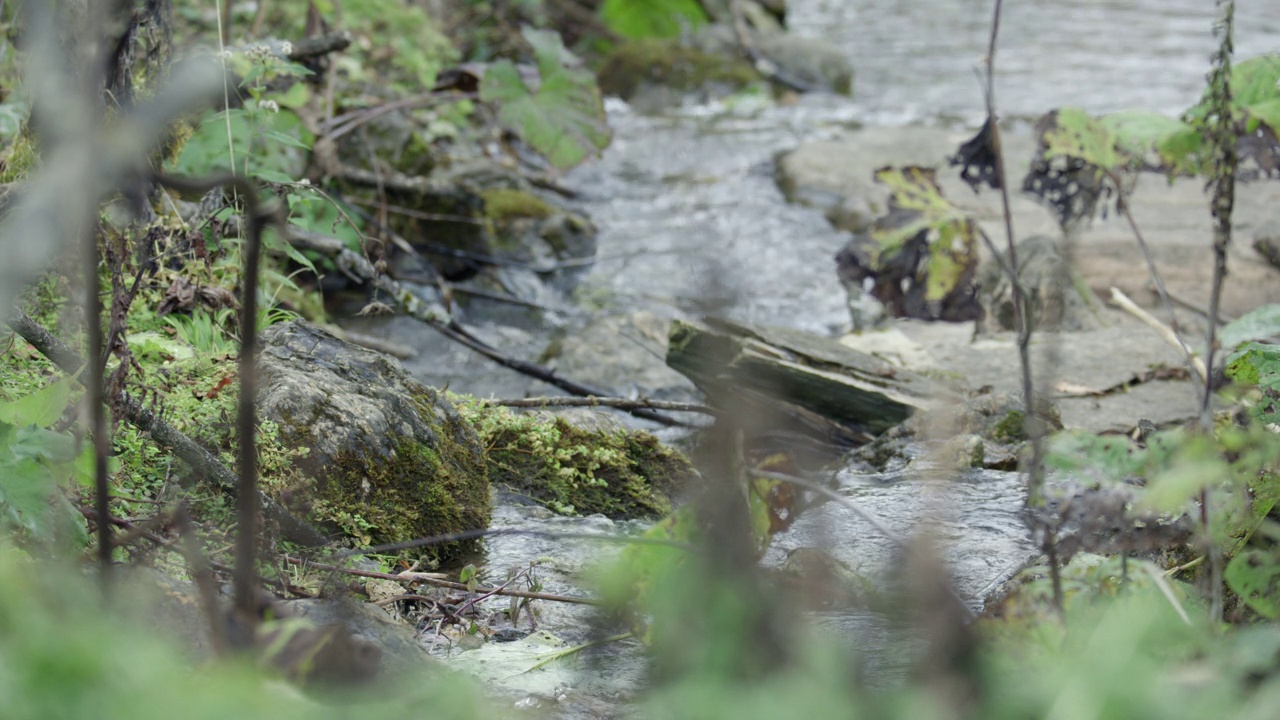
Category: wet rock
[1057,299]
[812,62]
[388,459]
[394,643]
[824,388]
[577,470]
[984,431]
[654,74]
[477,215]
[1266,240]
[624,354]
[835,176]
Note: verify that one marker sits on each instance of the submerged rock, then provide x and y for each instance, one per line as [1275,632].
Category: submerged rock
[388,459]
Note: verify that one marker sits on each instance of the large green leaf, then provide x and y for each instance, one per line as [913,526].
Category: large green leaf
[563,118]
[33,463]
[1259,323]
[41,408]
[1075,133]
[637,19]
[1256,364]
[1254,575]
[1139,132]
[951,236]
[1254,80]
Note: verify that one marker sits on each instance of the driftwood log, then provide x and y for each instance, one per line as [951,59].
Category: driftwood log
[830,389]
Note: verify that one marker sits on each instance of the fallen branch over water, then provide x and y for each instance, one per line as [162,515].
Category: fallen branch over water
[436,317]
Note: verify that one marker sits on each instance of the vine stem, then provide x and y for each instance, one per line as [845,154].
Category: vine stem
[1222,170]
[1031,423]
[247,506]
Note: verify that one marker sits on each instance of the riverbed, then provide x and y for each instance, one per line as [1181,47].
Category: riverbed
[691,222]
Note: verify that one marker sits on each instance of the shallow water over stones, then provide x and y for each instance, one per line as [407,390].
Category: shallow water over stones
[691,222]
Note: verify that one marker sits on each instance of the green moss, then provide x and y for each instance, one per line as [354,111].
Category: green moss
[671,64]
[411,494]
[620,474]
[1010,428]
[19,158]
[503,204]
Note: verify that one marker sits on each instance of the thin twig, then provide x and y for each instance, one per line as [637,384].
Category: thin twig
[247,534]
[1166,301]
[1222,170]
[436,318]
[1032,425]
[418,577]
[609,402]
[94,383]
[1168,334]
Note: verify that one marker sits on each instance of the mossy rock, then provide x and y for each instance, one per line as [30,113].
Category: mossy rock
[578,470]
[388,459]
[668,63]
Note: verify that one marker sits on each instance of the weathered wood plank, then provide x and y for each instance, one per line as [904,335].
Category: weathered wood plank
[848,388]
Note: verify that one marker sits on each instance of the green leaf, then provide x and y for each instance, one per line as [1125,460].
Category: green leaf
[1256,364]
[42,407]
[1268,112]
[295,97]
[1254,80]
[951,236]
[636,19]
[1137,131]
[151,344]
[1257,324]
[1254,574]
[1075,133]
[563,119]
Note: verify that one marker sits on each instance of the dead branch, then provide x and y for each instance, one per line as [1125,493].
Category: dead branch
[435,316]
[424,578]
[609,402]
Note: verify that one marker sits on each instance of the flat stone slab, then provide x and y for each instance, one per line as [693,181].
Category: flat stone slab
[1103,360]
[835,176]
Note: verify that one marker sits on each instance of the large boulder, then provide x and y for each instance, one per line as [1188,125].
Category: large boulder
[388,459]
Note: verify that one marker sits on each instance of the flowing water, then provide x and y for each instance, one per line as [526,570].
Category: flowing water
[691,221]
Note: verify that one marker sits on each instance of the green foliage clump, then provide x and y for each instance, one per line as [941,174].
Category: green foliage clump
[637,19]
[564,118]
[618,473]
[62,656]
[1139,139]
[38,466]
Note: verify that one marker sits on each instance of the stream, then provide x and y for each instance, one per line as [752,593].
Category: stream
[691,222]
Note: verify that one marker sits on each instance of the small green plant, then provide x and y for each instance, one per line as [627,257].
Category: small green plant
[206,331]
[564,118]
[38,465]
